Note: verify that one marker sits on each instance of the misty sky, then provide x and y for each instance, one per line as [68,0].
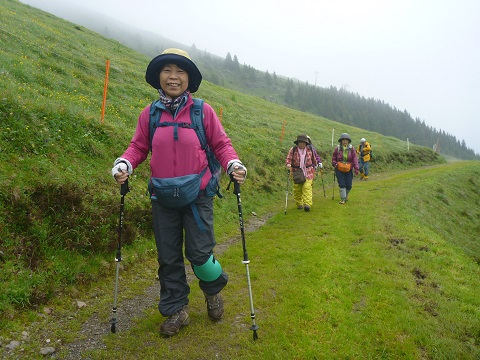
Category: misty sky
[422,56]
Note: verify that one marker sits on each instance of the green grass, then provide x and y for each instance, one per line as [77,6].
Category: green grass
[352,282]
[392,274]
[369,279]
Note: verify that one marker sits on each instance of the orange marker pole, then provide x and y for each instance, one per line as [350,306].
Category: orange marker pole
[105,91]
[221,114]
[283,130]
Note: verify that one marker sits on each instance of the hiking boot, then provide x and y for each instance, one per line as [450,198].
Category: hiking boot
[306,208]
[214,306]
[174,322]
[343,201]
[300,207]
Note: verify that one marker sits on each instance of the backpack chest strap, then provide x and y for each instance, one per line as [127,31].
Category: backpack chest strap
[175,127]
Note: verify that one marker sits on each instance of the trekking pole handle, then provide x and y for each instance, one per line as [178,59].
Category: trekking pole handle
[124,188]
[236,185]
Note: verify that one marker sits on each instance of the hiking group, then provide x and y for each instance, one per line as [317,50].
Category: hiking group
[188,146]
[303,161]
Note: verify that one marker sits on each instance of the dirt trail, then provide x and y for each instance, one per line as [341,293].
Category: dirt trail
[94,329]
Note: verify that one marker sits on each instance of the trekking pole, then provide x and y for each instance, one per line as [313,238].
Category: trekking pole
[286,191]
[323,185]
[246,261]
[123,191]
[333,187]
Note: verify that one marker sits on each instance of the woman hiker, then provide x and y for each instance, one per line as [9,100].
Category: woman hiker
[176,152]
[344,160]
[302,164]
[364,156]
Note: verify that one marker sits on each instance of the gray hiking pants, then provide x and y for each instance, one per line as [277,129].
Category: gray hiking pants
[169,226]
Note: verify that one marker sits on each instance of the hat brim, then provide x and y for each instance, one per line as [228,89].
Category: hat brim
[152,75]
[349,140]
[297,141]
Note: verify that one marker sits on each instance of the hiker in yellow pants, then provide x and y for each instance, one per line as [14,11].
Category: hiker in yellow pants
[302,194]
[302,163]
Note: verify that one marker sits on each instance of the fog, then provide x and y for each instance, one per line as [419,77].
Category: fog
[420,56]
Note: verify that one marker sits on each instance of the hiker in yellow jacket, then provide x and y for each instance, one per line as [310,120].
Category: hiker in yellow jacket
[363,151]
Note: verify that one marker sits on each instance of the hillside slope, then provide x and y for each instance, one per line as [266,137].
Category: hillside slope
[337,104]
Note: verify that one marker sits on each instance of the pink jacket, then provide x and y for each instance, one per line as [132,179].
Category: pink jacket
[184,156]
[293,158]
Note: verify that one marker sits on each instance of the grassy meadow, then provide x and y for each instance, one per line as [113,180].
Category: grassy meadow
[393,274]
[388,275]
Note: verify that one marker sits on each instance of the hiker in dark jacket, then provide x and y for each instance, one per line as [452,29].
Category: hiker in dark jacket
[344,160]
[176,152]
[301,160]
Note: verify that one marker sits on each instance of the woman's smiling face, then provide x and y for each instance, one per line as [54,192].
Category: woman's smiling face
[173,80]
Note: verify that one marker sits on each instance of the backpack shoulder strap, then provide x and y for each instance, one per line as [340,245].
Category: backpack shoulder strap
[155,114]
[313,157]
[196,116]
[295,148]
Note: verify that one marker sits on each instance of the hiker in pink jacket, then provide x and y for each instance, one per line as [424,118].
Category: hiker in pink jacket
[177,155]
[302,163]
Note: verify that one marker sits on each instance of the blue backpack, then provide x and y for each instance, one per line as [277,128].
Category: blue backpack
[177,192]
